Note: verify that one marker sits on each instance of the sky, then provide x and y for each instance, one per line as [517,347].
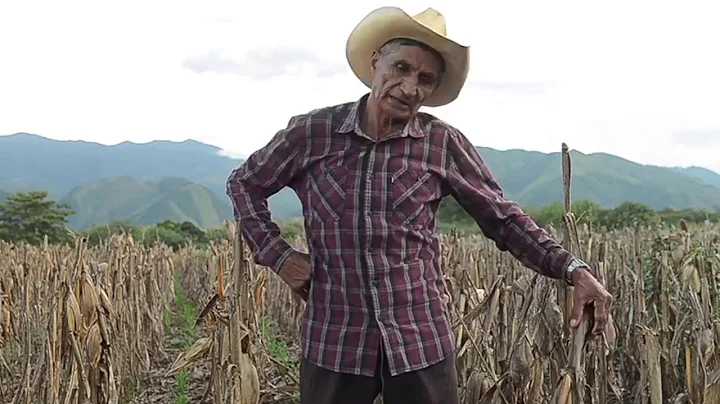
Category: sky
[638,79]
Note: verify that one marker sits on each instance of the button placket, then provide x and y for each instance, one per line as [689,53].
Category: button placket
[368,206]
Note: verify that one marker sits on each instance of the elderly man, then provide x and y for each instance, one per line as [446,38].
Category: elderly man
[370,175]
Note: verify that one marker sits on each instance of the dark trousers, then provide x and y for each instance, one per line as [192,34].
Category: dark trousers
[436,384]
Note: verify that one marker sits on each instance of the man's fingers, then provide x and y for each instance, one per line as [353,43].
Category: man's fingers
[607,301]
[576,314]
[601,315]
[304,293]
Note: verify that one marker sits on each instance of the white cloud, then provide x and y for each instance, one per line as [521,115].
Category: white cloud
[261,64]
[619,77]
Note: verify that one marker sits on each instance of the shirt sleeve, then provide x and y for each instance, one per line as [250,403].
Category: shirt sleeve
[263,174]
[473,186]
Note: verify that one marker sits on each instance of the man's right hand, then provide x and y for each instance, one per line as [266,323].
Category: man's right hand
[296,272]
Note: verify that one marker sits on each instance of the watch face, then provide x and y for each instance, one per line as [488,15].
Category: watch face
[576,263]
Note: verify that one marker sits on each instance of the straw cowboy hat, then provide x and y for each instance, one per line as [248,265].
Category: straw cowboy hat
[428,27]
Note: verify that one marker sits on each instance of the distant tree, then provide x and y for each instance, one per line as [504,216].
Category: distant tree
[168,236]
[451,211]
[551,215]
[101,233]
[192,232]
[177,235]
[168,232]
[452,216]
[292,228]
[29,217]
[673,217]
[628,214]
[586,211]
[217,235]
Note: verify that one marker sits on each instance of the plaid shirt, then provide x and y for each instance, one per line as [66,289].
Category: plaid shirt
[369,210]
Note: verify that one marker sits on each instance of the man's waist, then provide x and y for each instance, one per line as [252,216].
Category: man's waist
[427,310]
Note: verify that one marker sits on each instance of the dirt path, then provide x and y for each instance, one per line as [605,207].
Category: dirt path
[192,385]
[186,387]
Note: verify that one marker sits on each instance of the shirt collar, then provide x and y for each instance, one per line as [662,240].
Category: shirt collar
[352,121]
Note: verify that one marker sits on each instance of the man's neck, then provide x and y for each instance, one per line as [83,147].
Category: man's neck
[376,124]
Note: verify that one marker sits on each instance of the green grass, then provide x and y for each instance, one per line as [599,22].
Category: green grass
[181,321]
[277,345]
[181,388]
[279,350]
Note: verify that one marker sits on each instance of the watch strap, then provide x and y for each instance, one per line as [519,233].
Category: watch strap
[574,264]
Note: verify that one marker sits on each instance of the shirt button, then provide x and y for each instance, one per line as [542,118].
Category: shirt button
[375,282]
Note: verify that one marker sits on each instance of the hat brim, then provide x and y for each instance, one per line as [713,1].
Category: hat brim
[387,23]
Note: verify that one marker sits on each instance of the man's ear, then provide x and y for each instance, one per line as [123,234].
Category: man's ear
[373,61]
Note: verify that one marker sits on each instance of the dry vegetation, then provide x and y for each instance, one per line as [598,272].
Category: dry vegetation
[127,323]
[123,323]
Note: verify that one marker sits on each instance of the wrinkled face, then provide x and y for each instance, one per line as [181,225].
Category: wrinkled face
[403,77]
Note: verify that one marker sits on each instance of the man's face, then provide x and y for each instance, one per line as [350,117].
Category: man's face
[403,77]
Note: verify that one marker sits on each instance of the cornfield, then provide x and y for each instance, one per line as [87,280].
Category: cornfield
[124,323]
[81,325]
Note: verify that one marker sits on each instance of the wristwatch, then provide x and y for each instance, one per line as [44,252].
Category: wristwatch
[574,264]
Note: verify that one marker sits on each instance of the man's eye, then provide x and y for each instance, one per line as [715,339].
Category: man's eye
[427,79]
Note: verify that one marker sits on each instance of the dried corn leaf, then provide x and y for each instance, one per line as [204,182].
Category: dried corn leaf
[197,351]
[94,345]
[72,312]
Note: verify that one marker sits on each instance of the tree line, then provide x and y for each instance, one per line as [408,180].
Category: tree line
[30,216]
[27,217]
[628,214]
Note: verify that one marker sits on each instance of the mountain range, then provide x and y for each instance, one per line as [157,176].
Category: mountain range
[150,182]
[707,176]
[148,202]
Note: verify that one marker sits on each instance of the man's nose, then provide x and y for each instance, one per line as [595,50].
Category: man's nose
[409,87]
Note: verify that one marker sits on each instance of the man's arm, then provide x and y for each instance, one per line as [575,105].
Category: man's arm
[472,184]
[266,172]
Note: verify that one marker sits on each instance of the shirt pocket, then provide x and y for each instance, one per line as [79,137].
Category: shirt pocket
[328,193]
[412,192]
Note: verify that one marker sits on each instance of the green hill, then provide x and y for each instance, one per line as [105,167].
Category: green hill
[128,180]
[32,162]
[146,203]
[534,178]
[708,176]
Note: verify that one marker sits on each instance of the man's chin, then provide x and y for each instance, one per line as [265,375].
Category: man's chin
[400,119]
[398,114]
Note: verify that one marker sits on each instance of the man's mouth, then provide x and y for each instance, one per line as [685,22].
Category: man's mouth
[400,102]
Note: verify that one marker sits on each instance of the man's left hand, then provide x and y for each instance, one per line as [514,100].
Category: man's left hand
[589,291]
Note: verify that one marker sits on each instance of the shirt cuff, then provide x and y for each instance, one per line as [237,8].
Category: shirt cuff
[276,253]
[563,260]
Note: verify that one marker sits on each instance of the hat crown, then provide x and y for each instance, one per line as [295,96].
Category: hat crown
[433,20]
[428,27]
